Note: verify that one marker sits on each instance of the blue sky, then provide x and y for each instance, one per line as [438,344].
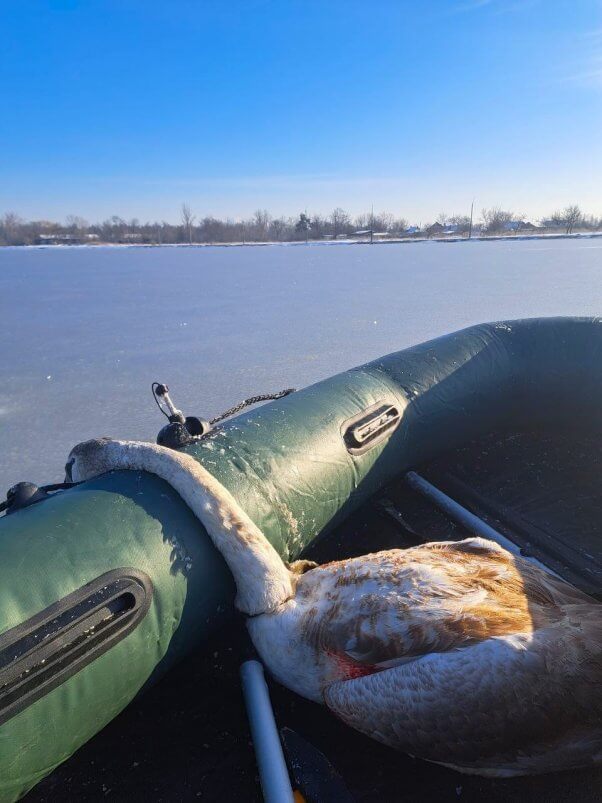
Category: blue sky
[128,107]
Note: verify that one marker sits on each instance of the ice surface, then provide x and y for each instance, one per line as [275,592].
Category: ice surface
[105,322]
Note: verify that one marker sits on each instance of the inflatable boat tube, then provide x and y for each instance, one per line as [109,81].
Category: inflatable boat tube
[105,585]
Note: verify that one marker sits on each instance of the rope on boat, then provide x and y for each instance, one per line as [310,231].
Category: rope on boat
[170,411]
[183,430]
[248,402]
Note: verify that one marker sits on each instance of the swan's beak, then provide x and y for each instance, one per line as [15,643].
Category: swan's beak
[68,467]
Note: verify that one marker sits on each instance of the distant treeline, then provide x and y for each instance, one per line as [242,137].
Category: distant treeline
[263,227]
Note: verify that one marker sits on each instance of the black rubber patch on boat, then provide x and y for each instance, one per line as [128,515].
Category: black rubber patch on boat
[370,427]
[43,652]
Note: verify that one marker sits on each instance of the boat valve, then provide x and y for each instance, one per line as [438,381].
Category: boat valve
[181,429]
[23,494]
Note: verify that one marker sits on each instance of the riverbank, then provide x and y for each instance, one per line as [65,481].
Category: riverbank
[347,241]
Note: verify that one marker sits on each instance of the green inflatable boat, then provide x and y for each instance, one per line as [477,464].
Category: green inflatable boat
[105,585]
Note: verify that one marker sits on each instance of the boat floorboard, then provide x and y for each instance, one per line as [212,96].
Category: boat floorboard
[541,489]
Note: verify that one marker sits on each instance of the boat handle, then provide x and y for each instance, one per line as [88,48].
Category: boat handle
[43,652]
[370,427]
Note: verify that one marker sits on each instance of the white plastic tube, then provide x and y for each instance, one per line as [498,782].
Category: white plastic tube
[273,773]
[463,516]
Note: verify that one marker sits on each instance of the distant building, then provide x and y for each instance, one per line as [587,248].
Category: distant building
[372,234]
[65,239]
[435,228]
[518,225]
[412,230]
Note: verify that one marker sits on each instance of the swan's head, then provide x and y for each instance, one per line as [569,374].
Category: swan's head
[90,458]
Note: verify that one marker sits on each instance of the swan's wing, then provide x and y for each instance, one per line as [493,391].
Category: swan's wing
[507,705]
[394,606]
[463,654]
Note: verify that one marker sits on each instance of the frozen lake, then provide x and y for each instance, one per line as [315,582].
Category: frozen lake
[84,331]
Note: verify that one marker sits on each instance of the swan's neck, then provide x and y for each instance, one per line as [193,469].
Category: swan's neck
[262,580]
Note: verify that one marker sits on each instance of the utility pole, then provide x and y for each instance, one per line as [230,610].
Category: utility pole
[470,226]
[371,224]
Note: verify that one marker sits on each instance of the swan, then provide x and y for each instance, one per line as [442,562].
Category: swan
[455,652]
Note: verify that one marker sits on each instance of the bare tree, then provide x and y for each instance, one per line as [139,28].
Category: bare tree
[187,220]
[319,225]
[461,222]
[10,225]
[118,228]
[399,225]
[363,221]
[75,223]
[261,223]
[381,222]
[277,228]
[571,216]
[590,222]
[496,219]
[384,221]
[214,230]
[340,221]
